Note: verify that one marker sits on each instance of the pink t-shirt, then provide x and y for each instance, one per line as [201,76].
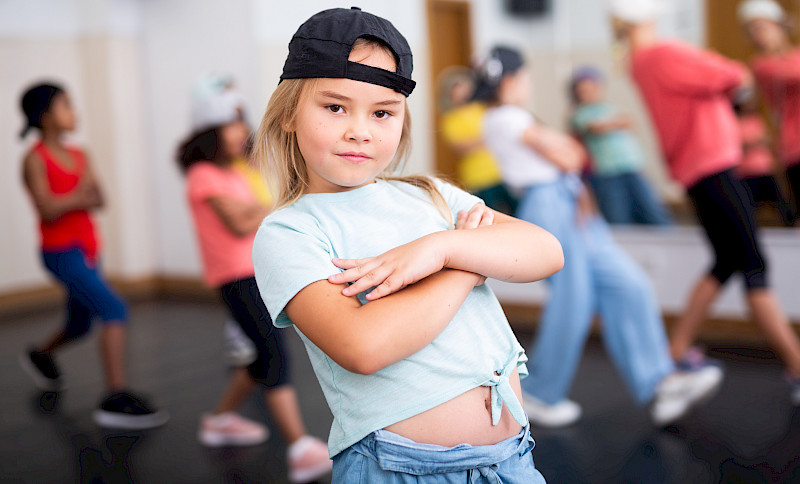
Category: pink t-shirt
[686,90]
[778,79]
[756,159]
[226,257]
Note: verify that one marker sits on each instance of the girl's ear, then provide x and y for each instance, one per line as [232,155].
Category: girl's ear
[288,126]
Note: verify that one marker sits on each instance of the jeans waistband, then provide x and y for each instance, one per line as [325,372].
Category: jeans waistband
[396,453]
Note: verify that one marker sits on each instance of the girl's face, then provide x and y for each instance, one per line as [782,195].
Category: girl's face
[233,138]
[60,116]
[766,35]
[588,91]
[348,131]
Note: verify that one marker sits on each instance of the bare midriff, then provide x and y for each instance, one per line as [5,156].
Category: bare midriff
[465,419]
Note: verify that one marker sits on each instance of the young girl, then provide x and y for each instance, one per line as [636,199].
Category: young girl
[64,190]
[688,93]
[227,212]
[413,353]
[598,277]
[623,194]
[777,72]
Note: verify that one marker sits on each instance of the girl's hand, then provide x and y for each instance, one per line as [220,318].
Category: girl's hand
[392,270]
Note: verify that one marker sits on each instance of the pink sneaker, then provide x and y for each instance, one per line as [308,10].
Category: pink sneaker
[230,428]
[308,460]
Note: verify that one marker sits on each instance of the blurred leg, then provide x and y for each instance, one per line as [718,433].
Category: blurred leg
[113,340]
[633,331]
[769,316]
[703,295]
[240,386]
[566,319]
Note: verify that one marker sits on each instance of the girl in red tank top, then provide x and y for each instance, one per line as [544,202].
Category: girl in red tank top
[74,228]
[64,191]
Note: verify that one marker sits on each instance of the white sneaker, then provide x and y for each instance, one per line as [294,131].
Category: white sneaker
[308,460]
[239,349]
[561,414]
[679,391]
[229,428]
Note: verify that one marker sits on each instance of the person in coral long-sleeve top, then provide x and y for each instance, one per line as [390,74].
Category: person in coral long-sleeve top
[777,73]
[687,92]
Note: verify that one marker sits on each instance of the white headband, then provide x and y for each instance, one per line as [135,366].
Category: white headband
[763,9]
[636,11]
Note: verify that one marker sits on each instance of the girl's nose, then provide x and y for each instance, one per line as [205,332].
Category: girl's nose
[358,130]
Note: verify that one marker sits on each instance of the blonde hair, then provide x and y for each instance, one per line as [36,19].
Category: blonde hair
[276,150]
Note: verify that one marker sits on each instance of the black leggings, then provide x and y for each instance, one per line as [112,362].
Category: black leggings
[271,367]
[724,210]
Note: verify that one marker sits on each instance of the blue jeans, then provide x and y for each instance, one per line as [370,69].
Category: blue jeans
[385,457]
[598,277]
[627,198]
[88,294]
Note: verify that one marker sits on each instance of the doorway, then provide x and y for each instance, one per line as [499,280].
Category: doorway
[450,38]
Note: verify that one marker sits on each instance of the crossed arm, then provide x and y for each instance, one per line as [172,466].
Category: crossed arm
[420,287]
[50,206]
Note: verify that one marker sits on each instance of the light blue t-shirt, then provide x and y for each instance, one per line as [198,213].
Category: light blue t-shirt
[294,248]
[613,152]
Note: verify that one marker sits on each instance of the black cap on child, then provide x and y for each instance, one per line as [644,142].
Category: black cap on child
[322,45]
[35,102]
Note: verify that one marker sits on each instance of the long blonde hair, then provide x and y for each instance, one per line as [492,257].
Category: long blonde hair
[276,150]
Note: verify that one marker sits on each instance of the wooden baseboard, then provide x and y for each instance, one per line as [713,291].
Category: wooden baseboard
[49,297]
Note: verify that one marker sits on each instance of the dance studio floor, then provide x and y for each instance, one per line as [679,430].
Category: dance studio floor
[747,433]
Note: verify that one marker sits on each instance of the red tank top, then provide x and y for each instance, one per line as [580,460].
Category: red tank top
[72,229]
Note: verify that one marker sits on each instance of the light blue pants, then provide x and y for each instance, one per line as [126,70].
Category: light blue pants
[387,458]
[598,277]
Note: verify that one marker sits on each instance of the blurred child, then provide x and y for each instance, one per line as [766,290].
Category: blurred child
[623,194]
[688,92]
[382,276]
[777,73]
[461,127]
[598,277]
[227,212]
[756,167]
[64,190]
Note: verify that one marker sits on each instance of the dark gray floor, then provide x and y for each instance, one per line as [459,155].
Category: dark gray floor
[747,433]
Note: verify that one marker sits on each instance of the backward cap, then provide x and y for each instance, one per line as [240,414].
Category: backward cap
[322,45]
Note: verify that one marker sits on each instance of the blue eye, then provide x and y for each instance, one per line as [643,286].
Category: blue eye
[334,108]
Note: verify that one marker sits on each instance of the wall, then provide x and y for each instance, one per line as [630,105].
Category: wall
[130,66]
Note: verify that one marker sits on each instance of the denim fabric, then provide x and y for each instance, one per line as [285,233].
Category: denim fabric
[627,198]
[598,277]
[385,457]
[88,294]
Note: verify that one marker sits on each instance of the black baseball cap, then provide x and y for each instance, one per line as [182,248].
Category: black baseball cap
[322,45]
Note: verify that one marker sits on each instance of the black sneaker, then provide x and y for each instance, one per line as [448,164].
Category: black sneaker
[41,367]
[125,411]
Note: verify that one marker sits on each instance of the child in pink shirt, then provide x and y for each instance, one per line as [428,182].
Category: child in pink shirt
[688,91]
[777,74]
[227,213]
